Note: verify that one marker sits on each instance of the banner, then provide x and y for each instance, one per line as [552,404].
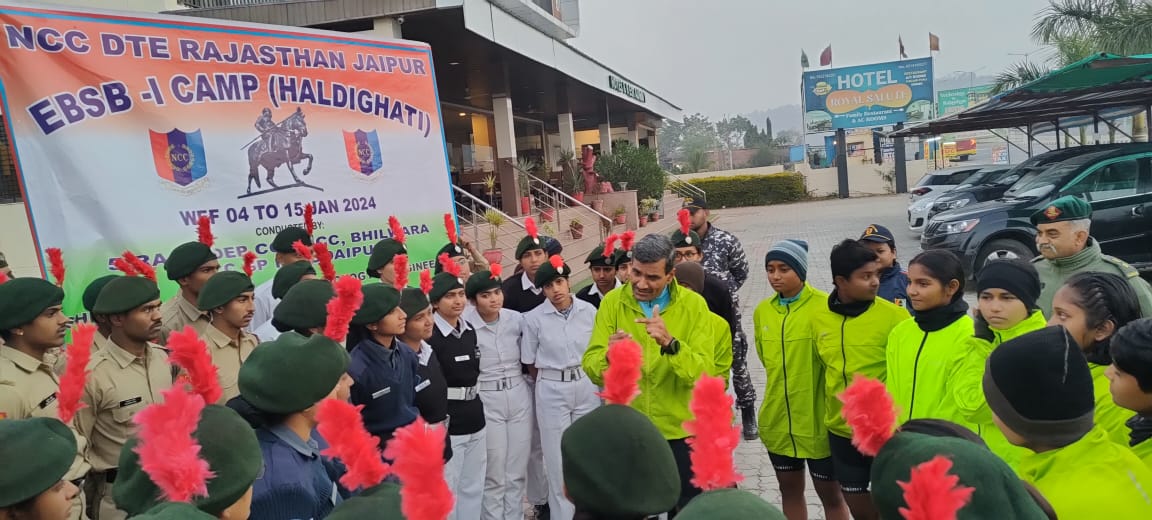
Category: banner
[960,99]
[127,129]
[869,95]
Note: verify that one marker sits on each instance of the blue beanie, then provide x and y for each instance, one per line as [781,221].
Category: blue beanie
[792,252]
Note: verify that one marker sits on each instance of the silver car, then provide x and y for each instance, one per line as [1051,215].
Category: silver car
[931,186]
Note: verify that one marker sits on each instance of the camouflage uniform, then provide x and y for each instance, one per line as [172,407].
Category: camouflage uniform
[724,257]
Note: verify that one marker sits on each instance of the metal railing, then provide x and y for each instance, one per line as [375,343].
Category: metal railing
[550,200]
[686,189]
[474,215]
[216,4]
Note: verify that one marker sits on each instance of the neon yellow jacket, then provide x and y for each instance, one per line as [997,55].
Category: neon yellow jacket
[722,358]
[1144,451]
[792,416]
[1109,417]
[920,366]
[1092,478]
[969,387]
[851,345]
[666,381]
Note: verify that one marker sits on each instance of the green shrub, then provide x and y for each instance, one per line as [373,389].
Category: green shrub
[638,167]
[752,190]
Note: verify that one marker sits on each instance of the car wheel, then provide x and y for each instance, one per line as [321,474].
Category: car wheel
[1003,249]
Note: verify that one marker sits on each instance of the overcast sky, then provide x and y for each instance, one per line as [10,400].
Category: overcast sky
[735,56]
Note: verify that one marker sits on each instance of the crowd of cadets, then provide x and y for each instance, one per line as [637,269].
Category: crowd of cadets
[510,379]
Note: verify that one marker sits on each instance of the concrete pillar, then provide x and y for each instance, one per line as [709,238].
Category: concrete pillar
[567,133]
[652,143]
[605,138]
[385,27]
[634,135]
[506,155]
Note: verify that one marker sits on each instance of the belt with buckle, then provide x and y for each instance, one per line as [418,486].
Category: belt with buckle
[462,393]
[504,383]
[564,376]
[444,423]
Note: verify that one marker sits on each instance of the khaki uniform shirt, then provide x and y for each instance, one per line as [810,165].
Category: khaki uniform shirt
[34,385]
[228,355]
[119,385]
[177,313]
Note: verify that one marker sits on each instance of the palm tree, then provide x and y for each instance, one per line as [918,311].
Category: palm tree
[1017,75]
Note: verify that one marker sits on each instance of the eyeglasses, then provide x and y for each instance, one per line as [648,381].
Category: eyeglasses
[685,256]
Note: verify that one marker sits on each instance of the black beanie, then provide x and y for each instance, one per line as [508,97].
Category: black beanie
[1017,277]
[1039,385]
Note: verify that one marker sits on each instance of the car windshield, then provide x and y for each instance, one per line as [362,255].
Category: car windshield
[1049,176]
[946,177]
[984,176]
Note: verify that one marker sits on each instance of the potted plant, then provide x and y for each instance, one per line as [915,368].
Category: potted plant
[548,214]
[524,167]
[648,209]
[571,181]
[643,219]
[576,228]
[619,214]
[495,219]
[490,186]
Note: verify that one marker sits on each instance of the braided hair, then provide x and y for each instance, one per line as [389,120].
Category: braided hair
[1104,297]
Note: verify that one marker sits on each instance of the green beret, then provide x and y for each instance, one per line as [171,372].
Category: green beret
[229,446]
[289,275]
[292,373]
[621,257]
[222,288]
[186,259]
[528,244]
[93,291]
[379,300]
[305,306]
[378,502]
[480,282]
[597,259]
[679,239]
[288,236]
[23,299]
[617,464]
[175,511]
[413,301]
[37,452]
[1068,207]
[730,504]
[382,254]
[1000,493]
[450,249]
[549,272]
[124,294]
[442,283]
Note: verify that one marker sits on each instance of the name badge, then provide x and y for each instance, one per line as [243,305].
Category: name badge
[464,357]
[381,392]
[47,401]
[423,384]
[130,402]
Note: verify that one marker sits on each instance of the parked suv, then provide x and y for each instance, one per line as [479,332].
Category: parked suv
[1116,181]
[931,186]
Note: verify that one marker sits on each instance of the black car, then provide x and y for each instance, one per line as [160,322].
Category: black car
[994,183]
[1117,181]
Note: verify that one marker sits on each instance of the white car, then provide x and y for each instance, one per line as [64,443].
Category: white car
[931,186]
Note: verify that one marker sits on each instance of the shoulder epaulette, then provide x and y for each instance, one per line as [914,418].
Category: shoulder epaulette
[1125,267]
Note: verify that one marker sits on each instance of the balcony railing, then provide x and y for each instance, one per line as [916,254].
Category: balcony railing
[212,4]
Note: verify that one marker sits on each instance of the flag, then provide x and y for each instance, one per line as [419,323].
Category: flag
[803,59]
[900,40]
[933,42]
[826,57]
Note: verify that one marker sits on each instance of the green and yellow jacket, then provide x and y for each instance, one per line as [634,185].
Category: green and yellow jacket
[921,365]
[722,357]
[1109,417]
[1092,478]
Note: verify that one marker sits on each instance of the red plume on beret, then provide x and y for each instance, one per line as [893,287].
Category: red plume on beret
[249,263]
[204,230]
[304,251]
[932,493]
[169,453]
[621,380]
[132,265]
[426,281]
[342,307]
[418,454]
[556,262]
[870,411]
[309,223]
[324,256]
[714,437]
[448,265]
[125,266]
[342,426]
[685,221]
[189,352]
[75,371]
[450,227]
[610,245]
[400,265]
[496,270]
[627,239]
[56,264]
[4,277]
[530,226]
[397,230]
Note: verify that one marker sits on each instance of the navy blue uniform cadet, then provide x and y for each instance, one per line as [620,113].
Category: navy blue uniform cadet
[432,391]
[893,278]
[383,368]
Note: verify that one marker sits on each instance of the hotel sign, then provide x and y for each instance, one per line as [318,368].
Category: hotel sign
[627,89]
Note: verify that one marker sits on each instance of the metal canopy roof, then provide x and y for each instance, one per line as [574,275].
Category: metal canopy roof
[1104,86]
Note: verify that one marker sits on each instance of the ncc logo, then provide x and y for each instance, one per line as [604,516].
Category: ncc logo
[363,149]
[179,156]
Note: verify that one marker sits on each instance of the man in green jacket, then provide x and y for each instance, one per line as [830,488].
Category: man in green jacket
[664,318]
[1066,248]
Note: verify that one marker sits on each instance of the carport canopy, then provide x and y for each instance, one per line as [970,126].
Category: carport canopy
[1101,87]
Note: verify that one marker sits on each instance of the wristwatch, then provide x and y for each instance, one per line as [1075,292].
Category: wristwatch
[671,348]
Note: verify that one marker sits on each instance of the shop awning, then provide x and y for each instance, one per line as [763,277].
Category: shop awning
[1102,86]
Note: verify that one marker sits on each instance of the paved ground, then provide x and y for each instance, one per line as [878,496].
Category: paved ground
[823,224]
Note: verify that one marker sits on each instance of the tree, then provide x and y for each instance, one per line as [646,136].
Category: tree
[679,139]
[788,137]
[636,166]
[1016,75]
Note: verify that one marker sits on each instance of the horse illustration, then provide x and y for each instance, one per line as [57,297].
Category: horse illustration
[281,144]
